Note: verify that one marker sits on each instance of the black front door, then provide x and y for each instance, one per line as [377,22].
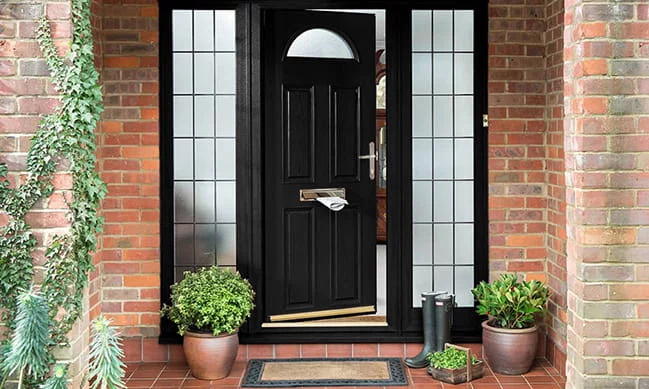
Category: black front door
[319,120]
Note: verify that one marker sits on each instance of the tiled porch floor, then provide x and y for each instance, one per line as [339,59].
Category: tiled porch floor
[174,375]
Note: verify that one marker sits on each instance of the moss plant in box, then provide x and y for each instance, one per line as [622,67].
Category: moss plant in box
[509,336]
[450,365]
[209,306]
[451,358]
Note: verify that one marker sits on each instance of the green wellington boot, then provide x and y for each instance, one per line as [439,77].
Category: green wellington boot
[428,308]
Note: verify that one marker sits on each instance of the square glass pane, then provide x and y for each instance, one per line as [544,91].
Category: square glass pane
[443,159]
[464,244]
[203,30]
[225,159]
[463,33]
[421,30]
[183,118]
[226,244]
[422,244]
[422,201]
[422,116]
[422,69]
[464,116]
[422,281]
[463,201]
[226,73]
[443,74]
[463,284]
[442,30]
[464,159]
[422,159]
[181,35]
[204,73]
[443,244]
[225,30]
[184,202]
[443,116]
[183,159]
[204,114]
[204,159]
[204,202]
[205,244]
[184,244]
[443,201]
[226,207]
[183,68]
[443,278]
[225,116]
[463,73]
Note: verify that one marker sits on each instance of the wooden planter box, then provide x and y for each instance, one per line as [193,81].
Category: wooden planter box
[462,374]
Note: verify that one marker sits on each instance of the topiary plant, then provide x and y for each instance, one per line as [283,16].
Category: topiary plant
[510,303]
[215,300]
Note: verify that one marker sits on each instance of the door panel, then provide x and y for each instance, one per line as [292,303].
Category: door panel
[319,119]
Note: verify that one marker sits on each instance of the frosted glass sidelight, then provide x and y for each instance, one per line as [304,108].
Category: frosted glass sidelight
[422,244]
[421,30]
[183,202]
[443,74]
[203,30]
[182,73]
[226,244]
[463,34]
[464,201]
[422,201]
[443,201]
[225,159]
[443,116]
[226,202]
[422,116]
[204,114]
[422,68]
[443,278]
[204,159]
[464,116]
[181,35]
[442,30]
[464,282]
[422,159]
[204,73]
[184,237]
[183,159]
[320,43]
[183,118]
[463,73]
[226,80]
[464,159]
[205,245]
[443,152]
[204,200]
[226,113]
[464,244]
[443,239]
[225,30]
[422,281]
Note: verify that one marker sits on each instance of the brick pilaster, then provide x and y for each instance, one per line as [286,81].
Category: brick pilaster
[607,153]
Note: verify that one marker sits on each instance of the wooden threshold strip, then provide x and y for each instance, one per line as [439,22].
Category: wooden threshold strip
[320,324]
[321,314]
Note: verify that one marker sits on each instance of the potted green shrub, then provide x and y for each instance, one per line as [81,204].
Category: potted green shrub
[209,306]
[509,335]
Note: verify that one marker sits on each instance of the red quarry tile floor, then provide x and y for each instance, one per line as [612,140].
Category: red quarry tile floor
[172,376]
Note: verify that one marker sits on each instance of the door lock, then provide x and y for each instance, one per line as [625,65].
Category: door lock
[372,159]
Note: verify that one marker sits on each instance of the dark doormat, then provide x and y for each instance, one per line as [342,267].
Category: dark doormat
[269,373]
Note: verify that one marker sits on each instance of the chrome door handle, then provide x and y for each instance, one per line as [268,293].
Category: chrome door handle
[372,158]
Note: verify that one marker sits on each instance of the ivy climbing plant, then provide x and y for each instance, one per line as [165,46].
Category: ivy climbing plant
[64,140]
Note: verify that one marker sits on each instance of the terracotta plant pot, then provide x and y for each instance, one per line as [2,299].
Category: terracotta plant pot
[509,351]
[210,357]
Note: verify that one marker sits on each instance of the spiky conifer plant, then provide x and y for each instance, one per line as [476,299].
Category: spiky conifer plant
[58,379]
[106,369]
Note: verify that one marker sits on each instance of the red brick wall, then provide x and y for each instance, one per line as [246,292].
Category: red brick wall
[607,149]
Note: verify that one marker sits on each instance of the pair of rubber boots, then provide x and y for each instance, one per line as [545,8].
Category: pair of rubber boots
[437,310]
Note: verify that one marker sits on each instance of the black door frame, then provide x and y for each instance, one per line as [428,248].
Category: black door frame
[404,322]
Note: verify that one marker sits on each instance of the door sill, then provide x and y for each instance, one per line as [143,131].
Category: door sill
[353,321]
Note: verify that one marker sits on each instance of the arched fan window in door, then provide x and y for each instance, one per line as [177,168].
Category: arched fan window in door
[320,43]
